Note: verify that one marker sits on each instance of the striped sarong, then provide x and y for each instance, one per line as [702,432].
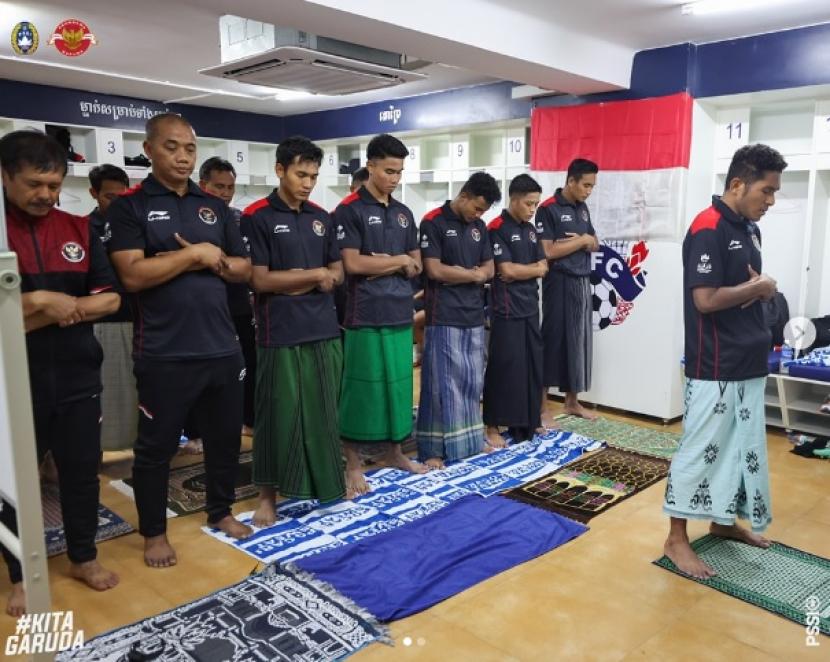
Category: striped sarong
[567,332]
[119,399]
[720,471]
[376,399]
[449,422]
[296,434]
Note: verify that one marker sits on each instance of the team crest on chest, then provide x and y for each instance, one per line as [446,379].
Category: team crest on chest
[475,233]
[318,227]
[403,220]
[207,215]
[73,252]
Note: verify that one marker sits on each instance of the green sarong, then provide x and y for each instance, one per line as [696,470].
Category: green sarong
[296,436]
[376,400]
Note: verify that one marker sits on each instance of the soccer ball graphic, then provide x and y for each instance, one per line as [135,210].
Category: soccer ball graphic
[603,303]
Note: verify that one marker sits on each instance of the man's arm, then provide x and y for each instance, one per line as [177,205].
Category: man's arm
[138,272]
[713,299]
[452,275]
[555,250]
[100,305]
[293,281]
[356,264]
[511,271]
[42,308]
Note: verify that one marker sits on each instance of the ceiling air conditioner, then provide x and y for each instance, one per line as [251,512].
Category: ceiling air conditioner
[262,54]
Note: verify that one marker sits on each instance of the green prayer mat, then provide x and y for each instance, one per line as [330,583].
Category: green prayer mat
[780,579]
[646,441]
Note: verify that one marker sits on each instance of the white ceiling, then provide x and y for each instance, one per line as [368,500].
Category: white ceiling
[565,45]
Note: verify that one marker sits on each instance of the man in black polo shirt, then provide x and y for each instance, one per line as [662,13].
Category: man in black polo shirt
[719,472]
[119,399]
[458,261]
[379,245]
[217,176]
[513,378]
[174,247]
[66,284]
[296,266]
[568,239]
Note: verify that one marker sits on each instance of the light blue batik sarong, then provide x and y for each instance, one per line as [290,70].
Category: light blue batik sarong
[719,471]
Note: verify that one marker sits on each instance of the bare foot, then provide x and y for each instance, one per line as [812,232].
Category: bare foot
[94,575]
[247,431]
[683,556]
[356,484]
[192,447]
[549,424]
[158,553]
[578,410]
[266,513]
[739,533]
[48,469]
[395,458]
[232,527]
[435,463]
[494,439]
[16,606]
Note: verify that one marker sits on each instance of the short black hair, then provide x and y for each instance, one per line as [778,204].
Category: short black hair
[152,126]
[385,146]
[215,164]
[360,175]
[34,148]
[579,167]
[106,172]
[750,163]
[522,185]
[481,184]
[298,146]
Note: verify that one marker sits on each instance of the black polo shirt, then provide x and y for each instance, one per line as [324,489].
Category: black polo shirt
[239,294]
[102,228]
[555,218]
[369,226]
[60,253]
[282,239]
[456,243]
[187,317]
[732,344]
[514,241]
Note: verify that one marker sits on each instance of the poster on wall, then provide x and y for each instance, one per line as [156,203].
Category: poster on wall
[618,277]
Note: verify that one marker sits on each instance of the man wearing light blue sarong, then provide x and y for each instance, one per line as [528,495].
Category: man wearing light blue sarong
[458,260]
[719,472]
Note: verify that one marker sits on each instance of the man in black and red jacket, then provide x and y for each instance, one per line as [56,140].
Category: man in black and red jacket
[66,283]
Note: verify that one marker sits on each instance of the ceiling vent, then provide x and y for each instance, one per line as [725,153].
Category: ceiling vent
[262,54]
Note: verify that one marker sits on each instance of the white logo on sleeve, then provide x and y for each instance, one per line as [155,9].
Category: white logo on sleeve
[424,241]
[704,266]
[497,249]
[154,216]
[341,233]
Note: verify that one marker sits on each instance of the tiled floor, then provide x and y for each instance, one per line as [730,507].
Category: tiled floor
[597,598]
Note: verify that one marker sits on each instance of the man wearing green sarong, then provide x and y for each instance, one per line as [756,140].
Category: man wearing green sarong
[379,244]
[296,266]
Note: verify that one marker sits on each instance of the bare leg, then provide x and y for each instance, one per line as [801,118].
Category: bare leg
[232,527]
[94,575]
[16,606]
[395,458]
[678,549]
[355,480]
[739,533]
[494,439]
[192,447]
[547,420]
[158,552]
[247,431]
[266,512]
[573,407]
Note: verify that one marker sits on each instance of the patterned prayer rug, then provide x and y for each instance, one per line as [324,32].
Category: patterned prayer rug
[398,497]
[591,485]
[784,580]
[647,441]
[188,486]
[110,525]
[275,615]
